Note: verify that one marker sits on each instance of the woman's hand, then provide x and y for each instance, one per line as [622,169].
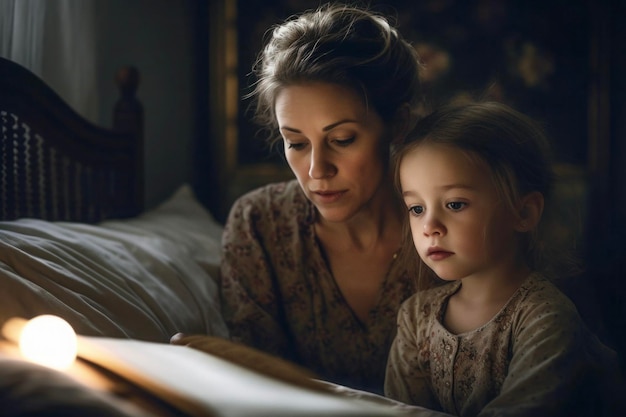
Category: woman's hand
[185,339]
[251,358]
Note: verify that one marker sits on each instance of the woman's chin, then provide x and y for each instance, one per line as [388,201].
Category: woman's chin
[337,213]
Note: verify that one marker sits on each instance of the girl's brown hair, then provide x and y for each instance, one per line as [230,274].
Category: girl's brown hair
[513,146]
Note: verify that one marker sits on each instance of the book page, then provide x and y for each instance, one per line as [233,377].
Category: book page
[201,384]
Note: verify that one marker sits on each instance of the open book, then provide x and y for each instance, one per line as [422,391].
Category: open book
[202,384]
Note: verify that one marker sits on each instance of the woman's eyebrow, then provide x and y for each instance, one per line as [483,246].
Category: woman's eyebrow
[334,125]
[324,129]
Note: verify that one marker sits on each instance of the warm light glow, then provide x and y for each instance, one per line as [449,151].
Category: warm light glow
[49,340]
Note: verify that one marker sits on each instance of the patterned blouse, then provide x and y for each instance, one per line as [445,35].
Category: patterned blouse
[534,358]
[280,296]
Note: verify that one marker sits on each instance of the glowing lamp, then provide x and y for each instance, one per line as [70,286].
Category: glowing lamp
[47,340]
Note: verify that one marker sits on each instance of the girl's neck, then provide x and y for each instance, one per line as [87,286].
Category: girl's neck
[493,288]
[479,299]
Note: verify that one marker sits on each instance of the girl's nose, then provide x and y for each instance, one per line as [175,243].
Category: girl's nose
[433,226]
[321,166]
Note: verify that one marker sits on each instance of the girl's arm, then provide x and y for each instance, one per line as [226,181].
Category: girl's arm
[405,381]
[558,367]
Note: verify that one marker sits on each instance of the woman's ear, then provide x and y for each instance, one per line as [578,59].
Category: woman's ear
[401,124]
[529,212]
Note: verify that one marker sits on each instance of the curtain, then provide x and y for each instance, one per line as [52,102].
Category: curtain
[55,39]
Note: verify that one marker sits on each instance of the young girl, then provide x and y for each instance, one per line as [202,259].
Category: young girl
[497,338]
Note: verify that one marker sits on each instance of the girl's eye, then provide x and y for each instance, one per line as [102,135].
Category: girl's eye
[456,205]
[416,210]
[344,142]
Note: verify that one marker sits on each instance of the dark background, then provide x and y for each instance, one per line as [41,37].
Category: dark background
[532,55]
[562,62]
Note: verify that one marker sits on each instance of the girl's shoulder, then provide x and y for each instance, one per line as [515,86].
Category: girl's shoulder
[425,301]
[540,307]
[538,292]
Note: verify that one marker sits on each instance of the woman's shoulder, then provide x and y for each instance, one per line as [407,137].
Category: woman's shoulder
[273,210]
[272,192]
[274,200]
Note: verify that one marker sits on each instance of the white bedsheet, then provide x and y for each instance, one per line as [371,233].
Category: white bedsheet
[145,278]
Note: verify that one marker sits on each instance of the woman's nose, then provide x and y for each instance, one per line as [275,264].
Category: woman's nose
[321,166]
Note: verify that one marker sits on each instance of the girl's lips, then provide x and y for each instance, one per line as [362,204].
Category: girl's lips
[437,254]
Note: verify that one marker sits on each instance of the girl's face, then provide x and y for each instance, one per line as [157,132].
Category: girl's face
[336,147]
[460,226]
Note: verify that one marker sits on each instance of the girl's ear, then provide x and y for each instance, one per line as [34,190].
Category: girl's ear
[530,211]
[401,124]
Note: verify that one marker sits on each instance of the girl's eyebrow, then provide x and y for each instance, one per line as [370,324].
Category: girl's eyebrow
[324,129]
[461,186]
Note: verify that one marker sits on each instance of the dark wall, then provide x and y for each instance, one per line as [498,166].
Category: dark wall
[156,36]
[607,231]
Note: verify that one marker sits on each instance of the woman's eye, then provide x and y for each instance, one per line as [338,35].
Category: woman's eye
[344,142]
[456,205]
[416,210]
[296,146]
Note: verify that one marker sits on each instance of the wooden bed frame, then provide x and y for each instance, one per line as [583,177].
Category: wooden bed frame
[55,164]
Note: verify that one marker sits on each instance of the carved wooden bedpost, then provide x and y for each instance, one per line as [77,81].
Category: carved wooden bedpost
[128,118]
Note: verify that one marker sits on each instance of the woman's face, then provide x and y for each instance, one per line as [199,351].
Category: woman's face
[336,147]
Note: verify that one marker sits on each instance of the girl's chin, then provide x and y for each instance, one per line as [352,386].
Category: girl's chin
[449,279]
[447,275]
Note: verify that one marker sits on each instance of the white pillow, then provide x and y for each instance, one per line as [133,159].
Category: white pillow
[145,278]
[184,221]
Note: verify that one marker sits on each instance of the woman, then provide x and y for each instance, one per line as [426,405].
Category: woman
[309,271]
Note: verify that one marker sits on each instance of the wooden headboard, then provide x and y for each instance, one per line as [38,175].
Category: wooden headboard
[55,164]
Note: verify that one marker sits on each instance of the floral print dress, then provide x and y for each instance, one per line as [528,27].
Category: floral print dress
[534,358]
[279,295]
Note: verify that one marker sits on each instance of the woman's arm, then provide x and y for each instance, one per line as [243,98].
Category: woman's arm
[250,299]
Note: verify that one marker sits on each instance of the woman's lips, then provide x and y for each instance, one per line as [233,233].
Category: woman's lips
[327,197]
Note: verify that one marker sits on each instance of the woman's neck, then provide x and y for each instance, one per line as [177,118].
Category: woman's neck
[380,221]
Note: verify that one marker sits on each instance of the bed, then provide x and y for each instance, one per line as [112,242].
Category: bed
[76,242]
